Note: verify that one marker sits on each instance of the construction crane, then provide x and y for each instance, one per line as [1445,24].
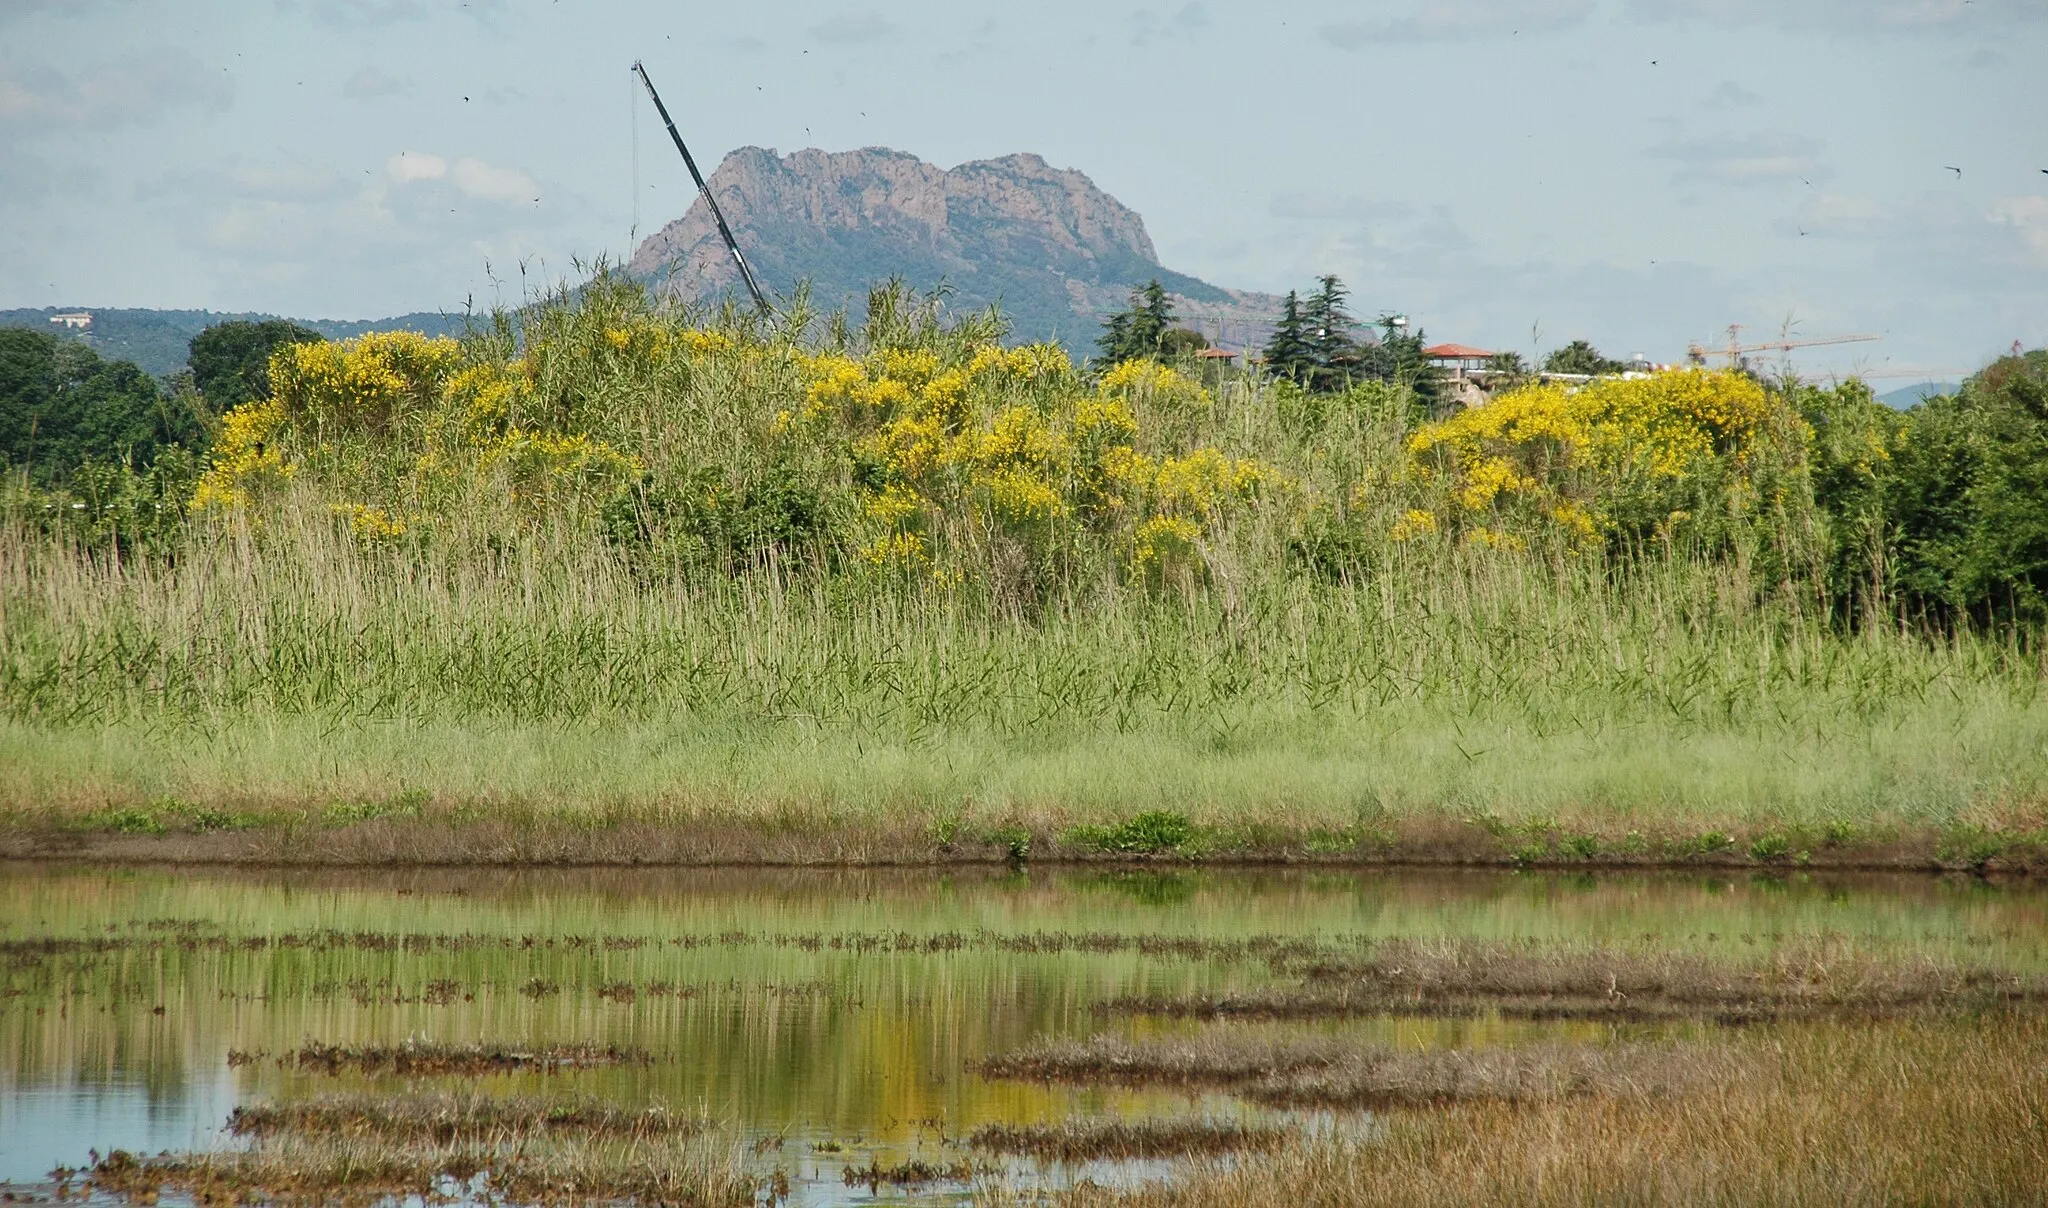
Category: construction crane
[1697,354]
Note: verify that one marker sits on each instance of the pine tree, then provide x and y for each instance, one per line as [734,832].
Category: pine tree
[1140,332]
[1330,344]
[1289,353]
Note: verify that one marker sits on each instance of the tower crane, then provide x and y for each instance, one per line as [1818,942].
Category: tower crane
[1734,350]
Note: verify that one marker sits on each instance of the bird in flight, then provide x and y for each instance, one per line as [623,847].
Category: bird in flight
[1957,171]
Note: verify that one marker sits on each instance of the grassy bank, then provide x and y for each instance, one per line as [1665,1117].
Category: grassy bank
[630,587]
[325,702]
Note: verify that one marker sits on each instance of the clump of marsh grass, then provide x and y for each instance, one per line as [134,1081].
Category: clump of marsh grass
[1914,1112]
[1458,978]
[530,1165]
[447,1118]
[1285,1070]
[1084,1140]
[418,1058]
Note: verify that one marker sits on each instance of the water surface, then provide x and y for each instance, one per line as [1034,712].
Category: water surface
[828,1017]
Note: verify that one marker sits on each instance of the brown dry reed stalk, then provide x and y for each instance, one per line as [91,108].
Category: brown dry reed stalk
[1918,1112]
[1462,977]
[422,1058]
[1089,1140]
[528,1166]
[447,1118]
[1284,1070]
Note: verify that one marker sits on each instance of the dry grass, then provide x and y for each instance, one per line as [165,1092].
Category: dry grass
[1904,1112]
[513,1166]
[448,1118]
[1326,1071]
[1082,1141]
[421,1058]
[1459,978]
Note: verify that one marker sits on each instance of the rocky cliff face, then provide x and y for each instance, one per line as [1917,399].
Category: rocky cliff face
[1045,243]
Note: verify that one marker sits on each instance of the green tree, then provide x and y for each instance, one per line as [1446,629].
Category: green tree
[1966,498]
[1289,353]
[1580,357]
[1182,341]
[61,406]
[1331,346]
[231,361]
[1140,332]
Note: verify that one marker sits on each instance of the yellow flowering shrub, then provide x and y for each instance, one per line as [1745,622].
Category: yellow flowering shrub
[370,525]
[373,384]
[247,461]
[538,467]
[1561,457]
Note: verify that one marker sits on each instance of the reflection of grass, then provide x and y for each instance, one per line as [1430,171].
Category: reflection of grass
[1919,1112]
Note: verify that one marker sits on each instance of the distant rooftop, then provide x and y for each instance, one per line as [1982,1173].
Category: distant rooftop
[1457,352]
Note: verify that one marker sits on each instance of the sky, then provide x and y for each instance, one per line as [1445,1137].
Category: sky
[1509,173]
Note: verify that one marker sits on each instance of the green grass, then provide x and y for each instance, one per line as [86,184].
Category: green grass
[536,656]
[1547,713]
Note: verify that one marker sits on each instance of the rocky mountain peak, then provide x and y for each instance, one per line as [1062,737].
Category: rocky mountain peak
[1050,247]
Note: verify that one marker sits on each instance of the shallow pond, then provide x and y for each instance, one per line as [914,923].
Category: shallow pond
[830,1018]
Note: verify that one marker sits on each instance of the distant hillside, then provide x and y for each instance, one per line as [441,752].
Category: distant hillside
[159,340]
[1909,396]
[1053,249]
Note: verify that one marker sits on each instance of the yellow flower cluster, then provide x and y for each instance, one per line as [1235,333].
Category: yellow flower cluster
[369,384]
[370,525]
[1164,537]
[1532,450]
[246,458]
[536,465]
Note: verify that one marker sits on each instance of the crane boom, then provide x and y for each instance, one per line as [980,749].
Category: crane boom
[1733,350]
[717,215]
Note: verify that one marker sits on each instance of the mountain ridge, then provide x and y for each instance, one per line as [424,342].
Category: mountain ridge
[159,340]
[1048,245]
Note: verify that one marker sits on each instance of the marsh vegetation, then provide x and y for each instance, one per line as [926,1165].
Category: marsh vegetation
[832,1037]
[607,581]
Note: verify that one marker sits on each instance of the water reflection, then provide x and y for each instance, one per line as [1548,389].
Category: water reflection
[830,1017]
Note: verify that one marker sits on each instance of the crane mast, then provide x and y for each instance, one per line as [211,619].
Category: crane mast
[717,215]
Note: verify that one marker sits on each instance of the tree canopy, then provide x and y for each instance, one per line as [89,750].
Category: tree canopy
[1580,357]
[1140,332]
[231,361]
[62,406]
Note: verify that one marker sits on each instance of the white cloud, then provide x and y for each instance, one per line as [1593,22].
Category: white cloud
[374,83]
[372,13]
[408,166]
[1423,20]
[1755,159]
[853,27]
[2026,218]
[133,90]
[487,183]
[1849,16]
[472,177]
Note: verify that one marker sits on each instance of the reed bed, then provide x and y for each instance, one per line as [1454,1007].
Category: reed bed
[1122,1140]
[1826,1114]
[422,1058]
[300,696]
[1279,1069]
[1461,978]
[444,1119]
[537,1165]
